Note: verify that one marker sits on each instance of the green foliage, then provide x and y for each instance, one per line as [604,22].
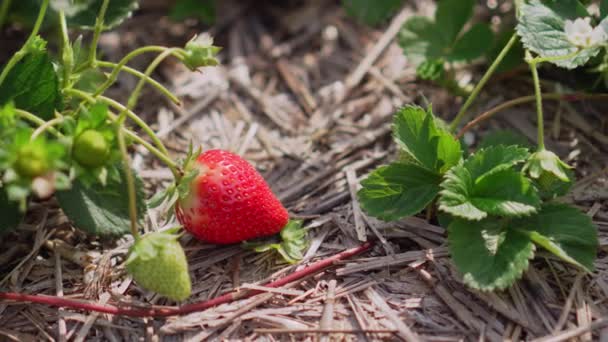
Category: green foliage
[203,10]
[10,215]
[425,42]
[542,31]
[563,231]
[291,245]
[33,85]
[83,14]
[425,140]
[488,253]
[103,210]
[158,263]
[398,190]
[371,12]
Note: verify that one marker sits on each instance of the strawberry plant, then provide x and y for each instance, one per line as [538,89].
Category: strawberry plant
[60,135]
[500,204]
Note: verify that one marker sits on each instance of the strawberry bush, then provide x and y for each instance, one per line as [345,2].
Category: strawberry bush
[501,203]
[62,136]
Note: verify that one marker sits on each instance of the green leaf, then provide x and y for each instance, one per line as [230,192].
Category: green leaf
[10,215]
[495,158]
[513,58]
[431,69]
[603,9]
[541,28]
[451,16]
[102,210]
[504,193]
[473,43]
[84,16]
[421,40]
[417,132]
[371,12]
[488,254]
[203,10]
[398,190]
[564,231]
[504,137]
[33,86]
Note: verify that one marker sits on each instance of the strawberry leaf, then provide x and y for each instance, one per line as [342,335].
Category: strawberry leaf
[84,13]
[563,231]
[451,15]
[488,254]
[421,40]
[504,193]
[398,190]
[102,210]
[371,12]
[293,242]
[493,159]
[33,86]
[425,140]
[10,215]
[472,44]
[542,30]
[197,9]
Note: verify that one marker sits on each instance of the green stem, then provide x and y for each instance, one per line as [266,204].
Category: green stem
[120,108]
[162,156]
[67,53]
[35,120]
[23,51]
[46,126]
[540,122]
[570,97]
[539,60]
[121,138]
[6,4]
[97,33]
[114,75]
[456,121]
[141,75]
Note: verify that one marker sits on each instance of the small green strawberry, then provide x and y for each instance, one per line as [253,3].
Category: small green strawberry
[158,263]
[31,161]
[91,149]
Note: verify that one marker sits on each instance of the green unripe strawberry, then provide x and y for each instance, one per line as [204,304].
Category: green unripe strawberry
[31,161]
[91,149]
[551,174]
[158,263]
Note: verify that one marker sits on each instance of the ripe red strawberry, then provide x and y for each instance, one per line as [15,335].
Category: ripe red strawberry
[229,201]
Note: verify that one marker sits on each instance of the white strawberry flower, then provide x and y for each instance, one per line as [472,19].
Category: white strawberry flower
[580,33]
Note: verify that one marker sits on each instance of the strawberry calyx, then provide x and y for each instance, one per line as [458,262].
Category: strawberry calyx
[293,241]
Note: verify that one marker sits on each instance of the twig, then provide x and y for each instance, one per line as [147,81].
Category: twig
[186,309]
[568,334]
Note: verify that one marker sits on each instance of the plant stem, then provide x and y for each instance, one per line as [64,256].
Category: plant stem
[570,97]
[6,4]
[456,121]
[23,51]
[46,126]
[67,54]
[121,138]
[141,75]
[159,311]
[142,124]
[96,34]
[114,75]
[35,120]
[539,60]
[540,122]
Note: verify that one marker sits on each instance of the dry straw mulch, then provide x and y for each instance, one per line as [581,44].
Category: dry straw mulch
[307,95]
